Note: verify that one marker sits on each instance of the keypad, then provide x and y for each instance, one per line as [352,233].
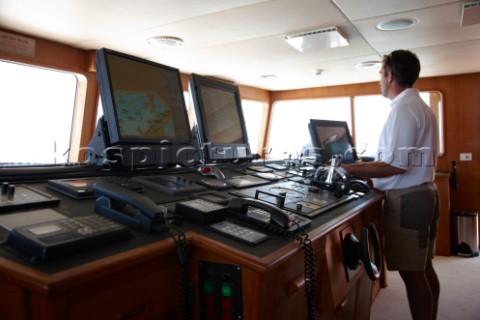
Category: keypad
[238,232]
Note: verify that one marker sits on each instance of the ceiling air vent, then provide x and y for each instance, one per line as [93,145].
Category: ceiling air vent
[317,39]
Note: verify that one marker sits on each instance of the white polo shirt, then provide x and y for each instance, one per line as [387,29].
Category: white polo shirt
[409,140]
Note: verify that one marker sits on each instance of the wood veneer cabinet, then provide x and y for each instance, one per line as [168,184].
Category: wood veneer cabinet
[442,181]
[138,284]
[273,286]
[144,282]
[344,293]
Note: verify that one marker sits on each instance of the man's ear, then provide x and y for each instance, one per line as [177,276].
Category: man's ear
[390,77]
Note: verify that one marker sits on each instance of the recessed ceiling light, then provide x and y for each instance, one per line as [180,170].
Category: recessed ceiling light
[165,41]
[268,77]
[396,24]
[368,65]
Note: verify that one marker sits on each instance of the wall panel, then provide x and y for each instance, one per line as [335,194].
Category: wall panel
[461,107]
[460,93]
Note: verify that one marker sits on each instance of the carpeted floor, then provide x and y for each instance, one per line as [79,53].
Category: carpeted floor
[459,292]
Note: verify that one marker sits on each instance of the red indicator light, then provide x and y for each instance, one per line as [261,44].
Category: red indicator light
[227,314]
[210,313]
[227,303]
[209,300]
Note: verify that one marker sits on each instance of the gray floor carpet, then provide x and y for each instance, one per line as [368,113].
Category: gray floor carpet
[459,292]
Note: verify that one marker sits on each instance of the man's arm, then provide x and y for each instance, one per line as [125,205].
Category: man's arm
[375,169]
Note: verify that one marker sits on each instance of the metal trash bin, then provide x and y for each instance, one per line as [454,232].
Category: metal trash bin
[464,233]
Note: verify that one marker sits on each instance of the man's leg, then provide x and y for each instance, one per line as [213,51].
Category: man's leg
[419,294]
[403,208]
[434,286]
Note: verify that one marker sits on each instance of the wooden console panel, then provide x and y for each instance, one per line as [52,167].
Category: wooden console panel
[273,286]
[144,282]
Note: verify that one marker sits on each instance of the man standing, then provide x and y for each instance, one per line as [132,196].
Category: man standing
[404,169]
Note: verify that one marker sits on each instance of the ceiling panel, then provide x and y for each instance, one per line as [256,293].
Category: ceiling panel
[428,31]
[240,40]
[77,22]
[449,59]
[363,9]
[271,18]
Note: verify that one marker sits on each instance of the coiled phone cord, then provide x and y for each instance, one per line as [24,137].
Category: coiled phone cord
[310,276]
[309,271]
[187,288]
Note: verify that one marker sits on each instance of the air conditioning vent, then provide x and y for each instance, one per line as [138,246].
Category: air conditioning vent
[317,39]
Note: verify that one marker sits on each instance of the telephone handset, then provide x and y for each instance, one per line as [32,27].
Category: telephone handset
[264,213]
[277,216]
[128,207]
[286,223]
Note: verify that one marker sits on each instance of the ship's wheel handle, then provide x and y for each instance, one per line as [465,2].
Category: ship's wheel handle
[356,251]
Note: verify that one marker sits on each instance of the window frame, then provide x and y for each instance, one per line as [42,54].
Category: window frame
[77,115]
[352,121]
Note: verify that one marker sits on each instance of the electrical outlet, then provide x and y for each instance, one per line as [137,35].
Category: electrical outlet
[465,157]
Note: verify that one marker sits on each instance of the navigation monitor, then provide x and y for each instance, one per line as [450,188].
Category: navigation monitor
[332,138]
[144,109]
[221,130]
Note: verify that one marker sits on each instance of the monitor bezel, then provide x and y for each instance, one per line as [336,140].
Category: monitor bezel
[214,151]
[109,104]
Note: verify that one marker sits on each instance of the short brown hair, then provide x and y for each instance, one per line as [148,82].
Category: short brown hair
[404,65]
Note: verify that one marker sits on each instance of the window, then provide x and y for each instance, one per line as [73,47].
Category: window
[371,112]
[36,114]
[289,124]
[253,113]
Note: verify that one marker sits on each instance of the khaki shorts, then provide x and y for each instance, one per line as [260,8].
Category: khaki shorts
[410,226]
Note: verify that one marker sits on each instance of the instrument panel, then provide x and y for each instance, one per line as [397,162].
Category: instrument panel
[302,199]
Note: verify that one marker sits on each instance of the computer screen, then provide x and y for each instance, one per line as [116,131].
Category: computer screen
[331,138]
[144,108]
[142,101]
[221,127]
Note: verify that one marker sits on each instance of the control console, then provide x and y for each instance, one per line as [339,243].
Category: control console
[298,198]
[172,185]
[20,197]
